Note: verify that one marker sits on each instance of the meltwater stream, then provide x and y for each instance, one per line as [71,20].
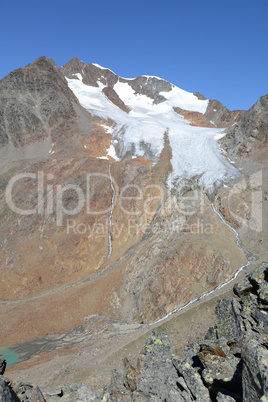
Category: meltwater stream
[250,258]
[110,246]
[40,344]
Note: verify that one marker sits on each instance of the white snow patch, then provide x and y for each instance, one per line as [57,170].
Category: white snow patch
[108,129]
[152,76]
[111,152]
[101,85]
[97,65]
[102,68]
[185,100]
[219,136]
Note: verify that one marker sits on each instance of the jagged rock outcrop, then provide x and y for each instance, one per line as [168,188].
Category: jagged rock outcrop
[251,133]
[220,116]
[216,115]
[3,364]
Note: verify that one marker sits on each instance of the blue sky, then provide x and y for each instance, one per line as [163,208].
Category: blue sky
[219,48]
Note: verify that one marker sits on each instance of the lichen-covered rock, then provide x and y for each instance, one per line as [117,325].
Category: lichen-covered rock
[218,347]
[228,318]
[192,379]
[156,374]
[259,275]
[211,333]
[222,369]
[255,369]
[220,365]
[224,398]
[263,292]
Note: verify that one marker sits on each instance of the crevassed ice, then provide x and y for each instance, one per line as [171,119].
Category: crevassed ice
[194,149]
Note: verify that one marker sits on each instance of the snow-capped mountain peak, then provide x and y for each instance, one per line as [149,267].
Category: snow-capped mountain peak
[146,108]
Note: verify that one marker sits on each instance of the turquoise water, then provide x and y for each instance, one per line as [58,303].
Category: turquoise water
[10,356]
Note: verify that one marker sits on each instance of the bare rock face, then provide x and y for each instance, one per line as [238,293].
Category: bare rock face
[251,133]
[91,74]
[114,98]
[220,116]
[216,115]
[39,114]
[3,364]
[32,101]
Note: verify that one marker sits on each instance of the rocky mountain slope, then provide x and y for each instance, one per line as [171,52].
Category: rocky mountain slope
[230,364]
[249,136]
[131,216]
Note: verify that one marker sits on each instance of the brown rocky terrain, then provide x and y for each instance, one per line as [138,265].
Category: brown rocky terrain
[136,266]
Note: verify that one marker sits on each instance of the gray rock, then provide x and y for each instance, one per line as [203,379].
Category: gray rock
[224,370]
[250,132]
[243,287]
[228,318]
[37,395]
[224,398]
[255,369]
[156,375]
[117,388]
[259,274]
[211,333]
[263,292]
[6,392]
[3,364]
[192,379]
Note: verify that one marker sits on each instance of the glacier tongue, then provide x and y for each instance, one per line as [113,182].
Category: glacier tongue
[195,151]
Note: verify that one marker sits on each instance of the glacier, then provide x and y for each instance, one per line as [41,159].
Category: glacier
[195,150]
